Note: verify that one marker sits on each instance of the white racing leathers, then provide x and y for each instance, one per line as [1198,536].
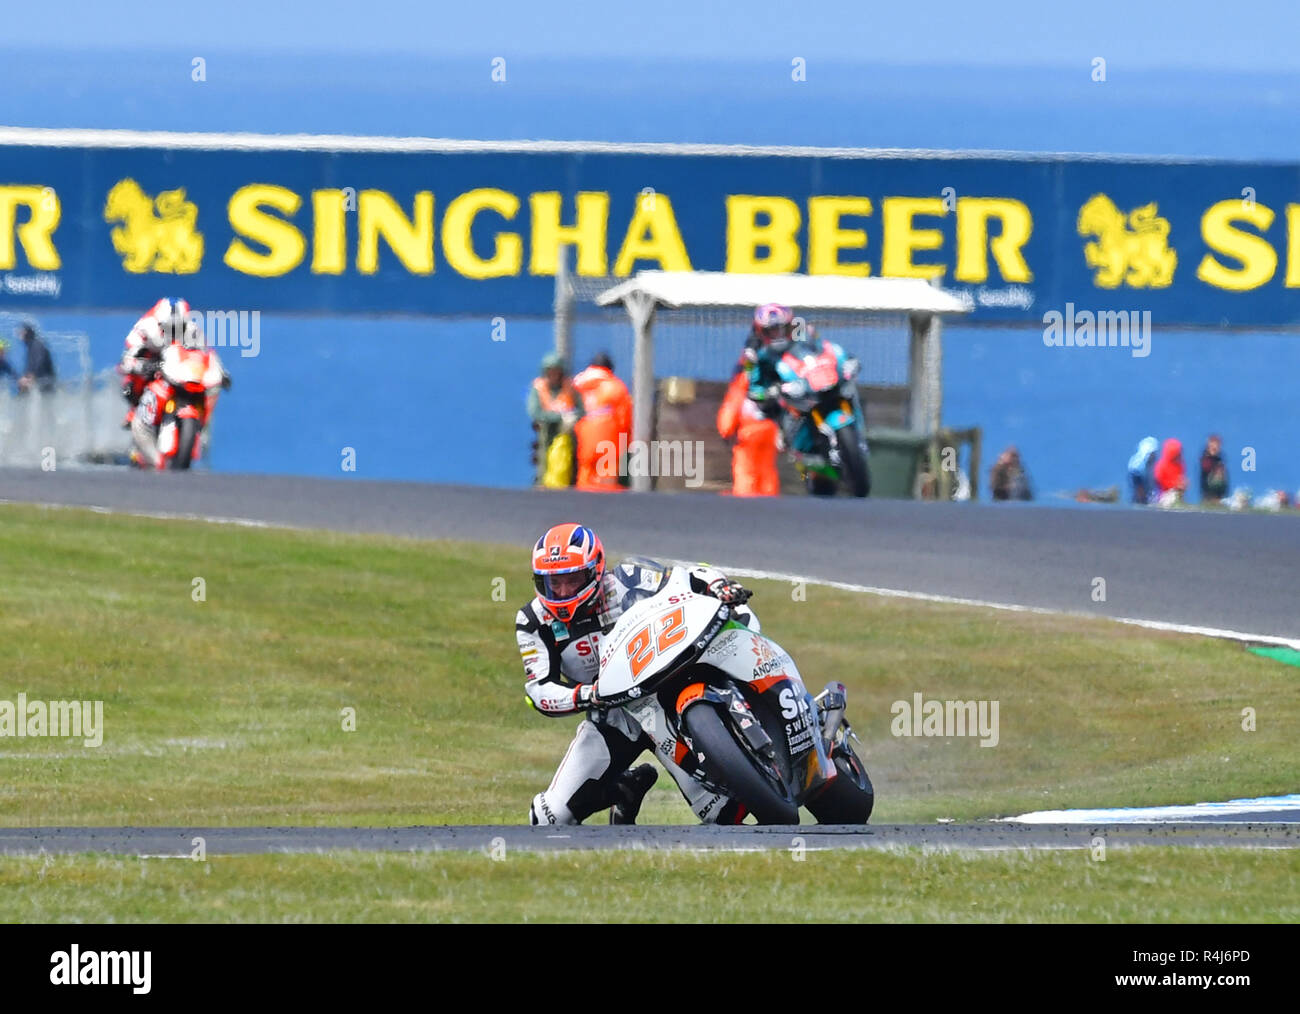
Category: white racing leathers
[561,661]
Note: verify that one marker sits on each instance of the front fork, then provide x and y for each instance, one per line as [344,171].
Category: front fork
[835,730]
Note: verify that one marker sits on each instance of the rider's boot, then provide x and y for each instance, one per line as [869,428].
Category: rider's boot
[629,791]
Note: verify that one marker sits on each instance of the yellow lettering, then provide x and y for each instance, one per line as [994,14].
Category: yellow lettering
[410,239]
[826,239]
[1293,246]
[778,235]
[653,235]
[588,234]
[36,234]
[458,241]
[1258,258]
[329,252]
[284,244]
[902,240]
[1017,223]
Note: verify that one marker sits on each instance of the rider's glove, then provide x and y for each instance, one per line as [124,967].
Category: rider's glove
[733,593]
[793,388]
[851,367]
[587,696]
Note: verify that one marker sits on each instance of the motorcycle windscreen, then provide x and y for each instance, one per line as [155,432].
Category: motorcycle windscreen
[651,637]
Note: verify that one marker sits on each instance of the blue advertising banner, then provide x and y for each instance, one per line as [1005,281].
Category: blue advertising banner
[113,220]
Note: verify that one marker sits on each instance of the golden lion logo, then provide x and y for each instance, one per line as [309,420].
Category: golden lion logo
[1132,249]
[155,235]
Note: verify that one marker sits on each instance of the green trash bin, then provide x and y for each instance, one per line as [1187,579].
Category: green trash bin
[895,458]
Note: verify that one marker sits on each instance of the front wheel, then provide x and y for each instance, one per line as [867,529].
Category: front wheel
[187,431]
[726,764]
[853,463]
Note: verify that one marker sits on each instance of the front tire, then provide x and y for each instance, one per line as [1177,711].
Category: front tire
[853,464]
[726,764]
[187,431]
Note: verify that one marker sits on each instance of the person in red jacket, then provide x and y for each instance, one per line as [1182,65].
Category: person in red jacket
[607,417]
[757,441]
[1170,472]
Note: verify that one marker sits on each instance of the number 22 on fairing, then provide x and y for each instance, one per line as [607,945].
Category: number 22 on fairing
[643,647]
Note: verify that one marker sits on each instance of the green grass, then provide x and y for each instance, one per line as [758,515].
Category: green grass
[1133,885]
[228,711]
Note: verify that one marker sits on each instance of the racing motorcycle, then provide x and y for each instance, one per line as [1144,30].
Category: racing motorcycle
[822,431]
[178,402]
[746,725]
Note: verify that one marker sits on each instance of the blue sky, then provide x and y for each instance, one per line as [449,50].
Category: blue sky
[1131,34]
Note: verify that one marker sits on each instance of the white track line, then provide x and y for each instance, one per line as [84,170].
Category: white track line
[1158,814]
[767,575]
[1177,628]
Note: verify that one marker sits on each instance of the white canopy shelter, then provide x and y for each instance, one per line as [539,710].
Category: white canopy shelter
[922,302]
[804,292]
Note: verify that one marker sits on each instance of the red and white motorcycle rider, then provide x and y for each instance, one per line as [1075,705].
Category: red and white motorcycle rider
[164,323]
[559,634]
[187,349]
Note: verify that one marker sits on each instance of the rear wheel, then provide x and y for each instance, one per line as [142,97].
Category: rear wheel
[726,764]
[187,431]
[853,463]
[850,798]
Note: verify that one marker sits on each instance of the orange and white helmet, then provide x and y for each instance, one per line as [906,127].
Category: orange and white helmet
[568,565]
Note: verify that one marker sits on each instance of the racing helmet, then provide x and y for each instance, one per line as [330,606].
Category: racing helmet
[173,316]
[772,325]
[568,566]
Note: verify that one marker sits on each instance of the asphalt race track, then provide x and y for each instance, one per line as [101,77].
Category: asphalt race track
[1215,570]
[1206,569]
[178,843]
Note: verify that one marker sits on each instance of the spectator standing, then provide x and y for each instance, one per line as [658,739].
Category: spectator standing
[1214,473]
[1140,466]
[6,367]
[1008,479]
[1170,472]
[39,371]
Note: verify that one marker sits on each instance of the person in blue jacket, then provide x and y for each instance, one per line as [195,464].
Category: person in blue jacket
[1139,470]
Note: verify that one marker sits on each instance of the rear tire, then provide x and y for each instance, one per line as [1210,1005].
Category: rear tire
[853,463]
[850,798]
[187,431]
[726,764]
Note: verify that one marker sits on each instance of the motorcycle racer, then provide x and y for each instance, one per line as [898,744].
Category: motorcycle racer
[164,323]
[789,381]
[559,633]
[146,416]
[770,338]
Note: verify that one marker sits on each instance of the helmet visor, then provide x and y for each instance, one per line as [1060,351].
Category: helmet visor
[564,586]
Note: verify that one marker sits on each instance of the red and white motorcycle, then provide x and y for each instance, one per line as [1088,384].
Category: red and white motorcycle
[745,724]
[177,404]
